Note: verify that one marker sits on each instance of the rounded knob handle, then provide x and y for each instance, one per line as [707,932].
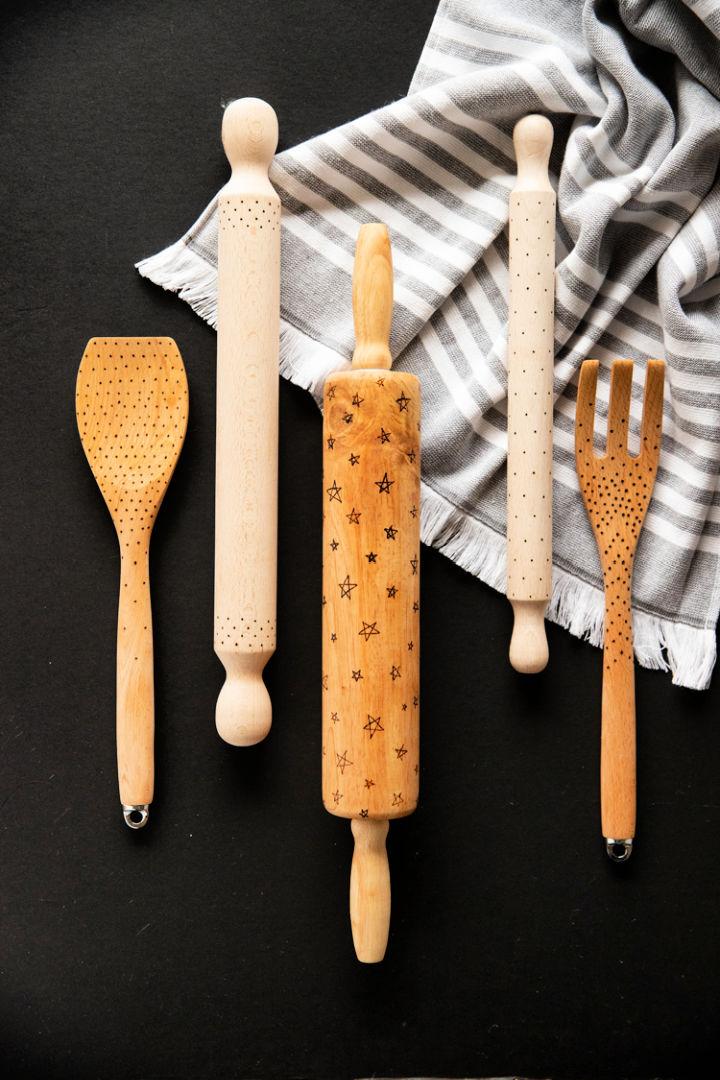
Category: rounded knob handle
[249,133]
[533,139]
[243,714]
[528,645]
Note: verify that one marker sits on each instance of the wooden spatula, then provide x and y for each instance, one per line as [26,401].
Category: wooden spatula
[132,408]
[616,490]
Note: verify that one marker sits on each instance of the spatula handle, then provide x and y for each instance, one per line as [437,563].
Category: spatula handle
[247,421]
[530,393]
[135,708]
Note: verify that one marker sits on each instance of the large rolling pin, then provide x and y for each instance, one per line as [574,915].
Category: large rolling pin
[248,334]
[371,593]
[530,393]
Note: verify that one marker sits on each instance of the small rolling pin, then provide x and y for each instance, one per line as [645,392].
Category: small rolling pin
[371,586]
[530,393]
[248,335]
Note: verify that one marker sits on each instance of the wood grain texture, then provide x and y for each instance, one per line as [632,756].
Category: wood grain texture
[132,408]
[616,490]
[371,594]
[247,422]
[530,393]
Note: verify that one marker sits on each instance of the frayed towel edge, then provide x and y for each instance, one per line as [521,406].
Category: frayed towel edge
[688,652]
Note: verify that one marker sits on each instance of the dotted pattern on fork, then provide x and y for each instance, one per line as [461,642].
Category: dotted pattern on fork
[617,487]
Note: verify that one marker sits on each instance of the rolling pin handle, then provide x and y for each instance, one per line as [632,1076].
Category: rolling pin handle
[528,645]
[372,293]
[243,714]
[250,133]
[370,890]
[533,139]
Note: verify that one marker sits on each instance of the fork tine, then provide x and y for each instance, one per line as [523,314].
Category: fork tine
[651,432]
[585,410]
[619,408]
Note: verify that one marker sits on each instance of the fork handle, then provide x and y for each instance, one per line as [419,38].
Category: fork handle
[530,393]
[135,697]
[618,740]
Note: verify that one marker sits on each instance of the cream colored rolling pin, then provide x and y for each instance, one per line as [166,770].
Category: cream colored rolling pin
[530,393]
[248,332]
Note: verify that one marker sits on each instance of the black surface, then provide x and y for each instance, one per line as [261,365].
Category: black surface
[216,944]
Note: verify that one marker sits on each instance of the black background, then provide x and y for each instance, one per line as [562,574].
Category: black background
[216,943]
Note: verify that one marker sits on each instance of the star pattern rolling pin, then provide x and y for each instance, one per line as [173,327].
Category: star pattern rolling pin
[371,593]
[530,393]
[248,332]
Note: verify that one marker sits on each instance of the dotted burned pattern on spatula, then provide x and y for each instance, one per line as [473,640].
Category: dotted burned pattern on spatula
[617,487]
[132,407]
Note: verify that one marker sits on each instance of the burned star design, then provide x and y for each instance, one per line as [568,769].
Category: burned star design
[330,443]
[368,630]
[400,751]
[415,701]
[354,516]
[334,718]
[411,646]
[391,532]
[369,784]
[330,393]
[334,492]
[371,556]
[343,761]
[381,382]
[394,672]
[413,512]
[324,682]
[403,401]
[384,436]
[411,456]
[346,587]
[404,706]
[397,798]
[416,606]
[392,591]
[357,401]
[337,796]
[348,418]
[354,458]
[333,637]
[363,813]
[373,725]
[357,675]
[414,564]
[334,545]
[384,485]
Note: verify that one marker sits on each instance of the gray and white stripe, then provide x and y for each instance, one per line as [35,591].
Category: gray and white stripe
[638,252]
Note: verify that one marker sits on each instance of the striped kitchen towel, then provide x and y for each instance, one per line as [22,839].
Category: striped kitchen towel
[633,91]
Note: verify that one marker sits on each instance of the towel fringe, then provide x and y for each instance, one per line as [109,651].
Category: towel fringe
[688,652]
[181,270]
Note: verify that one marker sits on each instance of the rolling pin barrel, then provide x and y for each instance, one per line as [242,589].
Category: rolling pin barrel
[530,393]
[371,598]
[247,421]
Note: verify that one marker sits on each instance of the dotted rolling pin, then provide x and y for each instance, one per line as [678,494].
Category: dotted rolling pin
[371,593]
[530,393]
[248,335]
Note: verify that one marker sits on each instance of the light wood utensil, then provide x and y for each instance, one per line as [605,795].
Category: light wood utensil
[248,337]
[132,408]
[616,490]
[530,393]
[371,586]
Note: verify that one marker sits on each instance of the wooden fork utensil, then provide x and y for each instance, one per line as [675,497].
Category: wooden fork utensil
[616,490]
[132,408]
